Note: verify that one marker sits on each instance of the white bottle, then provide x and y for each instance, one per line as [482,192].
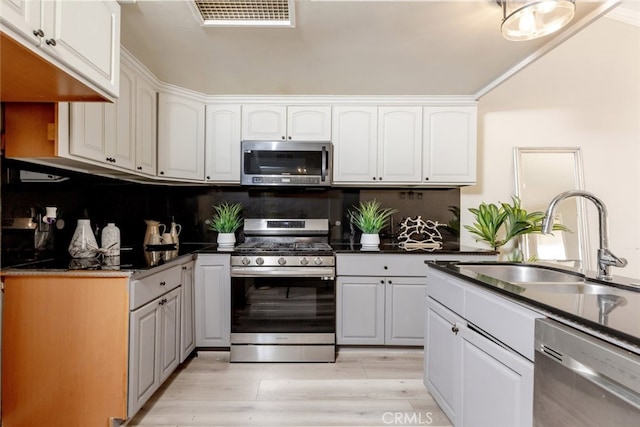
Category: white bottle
[111,240]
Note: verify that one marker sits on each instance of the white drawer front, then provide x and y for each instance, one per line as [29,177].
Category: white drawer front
[381,265]
[446,292]
[504,320]
[151,287]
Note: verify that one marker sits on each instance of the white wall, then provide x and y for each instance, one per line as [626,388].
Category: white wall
[585,93]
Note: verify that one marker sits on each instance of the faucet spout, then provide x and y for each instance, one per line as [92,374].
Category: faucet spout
[606,258]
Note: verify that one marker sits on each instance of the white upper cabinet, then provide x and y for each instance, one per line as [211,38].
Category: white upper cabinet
[24,17]
[399,144]
[280,123]
[449,151]
[377,145]
[355,142]
[145,117]
[120,135]
[222,149]
[180,137]
[82,35]
[309,123]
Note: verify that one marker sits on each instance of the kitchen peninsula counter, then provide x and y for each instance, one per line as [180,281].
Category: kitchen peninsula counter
[580,310]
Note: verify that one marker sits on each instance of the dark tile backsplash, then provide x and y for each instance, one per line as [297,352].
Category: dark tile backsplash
[129,204]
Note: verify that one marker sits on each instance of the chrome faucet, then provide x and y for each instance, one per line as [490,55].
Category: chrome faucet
[606,259]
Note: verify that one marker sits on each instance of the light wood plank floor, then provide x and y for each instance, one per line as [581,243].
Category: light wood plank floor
[365,387]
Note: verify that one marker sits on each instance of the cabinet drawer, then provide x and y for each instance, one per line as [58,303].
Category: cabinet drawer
[147,289]
[381,265]
[446,292]
[508,322]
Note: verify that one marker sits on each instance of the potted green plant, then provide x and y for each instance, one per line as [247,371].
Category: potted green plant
[497,225]
[226,220]
[370,218]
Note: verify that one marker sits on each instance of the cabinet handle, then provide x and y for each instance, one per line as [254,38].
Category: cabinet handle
[385,267]
[50,42]
[184,267]
[289,137]
[390,282]
[139,168]
[208,177]
[161,172]
[426,178]
[163,301]
[283,137]
[38,32]
[379,178]
[455,329]
[163,283]
[382,282]
[374,178]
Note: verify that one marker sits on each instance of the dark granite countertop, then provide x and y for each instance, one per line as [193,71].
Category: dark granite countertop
[392,247]
[623,322]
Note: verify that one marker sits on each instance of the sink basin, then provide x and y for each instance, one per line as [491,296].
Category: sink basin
[521,274]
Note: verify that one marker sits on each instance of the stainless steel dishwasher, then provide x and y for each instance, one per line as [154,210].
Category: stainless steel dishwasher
[581,380]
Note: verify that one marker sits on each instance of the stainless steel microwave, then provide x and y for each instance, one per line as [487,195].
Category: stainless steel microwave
[286,163]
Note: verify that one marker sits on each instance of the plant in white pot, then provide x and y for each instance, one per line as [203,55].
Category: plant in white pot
[370,218]
[226,220]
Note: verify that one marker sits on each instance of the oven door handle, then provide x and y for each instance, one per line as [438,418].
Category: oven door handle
[322,272]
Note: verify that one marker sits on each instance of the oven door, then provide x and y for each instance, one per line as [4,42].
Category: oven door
[283,318]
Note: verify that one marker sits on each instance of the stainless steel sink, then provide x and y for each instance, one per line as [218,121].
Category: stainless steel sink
[521,274]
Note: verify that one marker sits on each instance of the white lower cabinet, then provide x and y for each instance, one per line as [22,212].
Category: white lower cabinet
[478,354]
[187,312]
[212,300]
[153,347]
[380,310]
[154,333]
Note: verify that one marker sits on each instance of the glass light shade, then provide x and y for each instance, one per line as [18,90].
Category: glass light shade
[527,20]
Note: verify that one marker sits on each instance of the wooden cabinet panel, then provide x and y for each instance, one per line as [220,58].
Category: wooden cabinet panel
[64,350]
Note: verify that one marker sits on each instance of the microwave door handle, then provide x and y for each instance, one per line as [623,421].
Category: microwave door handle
[324,164]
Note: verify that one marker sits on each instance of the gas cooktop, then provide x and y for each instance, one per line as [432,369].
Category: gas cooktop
[258,247]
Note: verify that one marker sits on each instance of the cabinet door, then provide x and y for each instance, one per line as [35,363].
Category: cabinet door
[22,16]
[145,118]
[309,123]
[223,143]
[144,345]
[121,149]
[213,301]
[180,137]
[400,144]
[170,330]
[360,310]
[92,130]
[355,142]
[449,152]
[497,384]
[442,357]
[264,122]
[86,36]
[404,314]
[188,333]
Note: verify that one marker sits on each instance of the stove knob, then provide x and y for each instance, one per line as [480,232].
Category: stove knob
[259,260]
[282,261]
[317,261]
[304,261]
[245,261]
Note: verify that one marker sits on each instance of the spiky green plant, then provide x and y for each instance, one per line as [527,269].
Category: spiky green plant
[512,218]
[226,218]
[369,217]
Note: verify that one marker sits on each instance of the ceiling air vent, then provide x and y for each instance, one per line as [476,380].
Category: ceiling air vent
[242,13]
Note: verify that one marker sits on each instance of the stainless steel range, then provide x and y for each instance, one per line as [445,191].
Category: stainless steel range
[283,292]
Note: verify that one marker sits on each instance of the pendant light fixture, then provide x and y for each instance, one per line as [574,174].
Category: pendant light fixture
[530,19]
